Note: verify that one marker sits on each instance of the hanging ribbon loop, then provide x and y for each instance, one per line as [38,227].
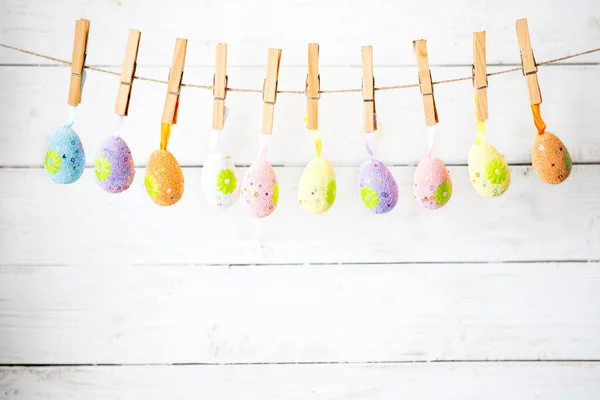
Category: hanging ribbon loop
[537,119]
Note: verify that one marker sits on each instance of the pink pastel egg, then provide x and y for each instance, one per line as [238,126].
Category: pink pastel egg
[433,186]
[260,191]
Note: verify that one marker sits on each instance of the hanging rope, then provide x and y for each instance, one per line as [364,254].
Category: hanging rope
[229,89]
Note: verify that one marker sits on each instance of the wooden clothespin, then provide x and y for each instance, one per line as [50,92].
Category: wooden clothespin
[270,90]
[528,62]
[431,115]
[480,81]
[368,90]
[174,86]
[82,30]
[313,87]
[220,81]
[128,73]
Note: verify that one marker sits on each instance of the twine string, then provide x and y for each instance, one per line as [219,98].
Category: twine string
[243,90]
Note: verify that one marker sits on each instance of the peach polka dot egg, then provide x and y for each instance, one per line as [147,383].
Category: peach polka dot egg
[432,184]
[260,190]
[550,158]
[164,178]
[489,171]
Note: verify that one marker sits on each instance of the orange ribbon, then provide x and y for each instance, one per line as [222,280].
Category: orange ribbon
[537,119]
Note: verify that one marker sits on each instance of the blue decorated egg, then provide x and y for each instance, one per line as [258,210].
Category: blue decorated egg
[65,159]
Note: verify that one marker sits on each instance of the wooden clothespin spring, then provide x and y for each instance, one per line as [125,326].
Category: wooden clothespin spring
[528,62]
[270,85]
[220,84]
[174,85]
[425,82]
[82,30]
[479,75]
[313,87]
[128,73]
[368,90]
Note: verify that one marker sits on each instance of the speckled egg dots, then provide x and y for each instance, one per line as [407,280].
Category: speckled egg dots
[114,166]
[220,184]
[164,178]
[260,190]
[377,188]
[65,158]
[317,188]
[489,171]
[550,158]
[432,185]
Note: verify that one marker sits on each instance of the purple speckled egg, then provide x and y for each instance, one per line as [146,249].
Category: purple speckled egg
[114,165]
[433,186]
[377,188]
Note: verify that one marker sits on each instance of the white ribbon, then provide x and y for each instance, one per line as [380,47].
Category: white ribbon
[369,139]
[119,121]
[215,134]
[431,138]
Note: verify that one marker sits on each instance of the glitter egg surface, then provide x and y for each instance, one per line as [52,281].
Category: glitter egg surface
[377,188]
[65,158]
[220,183]
[489,172]
[260,191]
[164,178]
[432,184]
[114,166]
[317,188]
[550,158]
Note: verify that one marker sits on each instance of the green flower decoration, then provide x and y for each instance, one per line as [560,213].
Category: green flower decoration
[331,190]
[276,193]
[568,160]
[151,186]
[496,171]
[102,168]
[369,197]
[443,193]
[52,161]
[226,181]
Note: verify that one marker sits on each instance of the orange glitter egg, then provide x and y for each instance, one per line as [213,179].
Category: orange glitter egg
[550,158]
[164,178]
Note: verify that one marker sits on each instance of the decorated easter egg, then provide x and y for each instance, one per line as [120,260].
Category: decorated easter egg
[219,180]
[260,191]
[490,175]
[550,158]
[164,178]
[377,188]
[433,186]
[65,159]
[114,165]
[317,188]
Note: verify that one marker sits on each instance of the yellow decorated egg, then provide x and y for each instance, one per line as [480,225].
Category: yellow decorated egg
[164,178]
[317,188]
[550,158]
[490,174]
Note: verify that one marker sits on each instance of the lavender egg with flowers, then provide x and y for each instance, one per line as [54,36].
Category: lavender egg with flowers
[114,166]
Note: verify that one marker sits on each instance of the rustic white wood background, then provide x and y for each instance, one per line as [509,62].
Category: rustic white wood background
[111,297]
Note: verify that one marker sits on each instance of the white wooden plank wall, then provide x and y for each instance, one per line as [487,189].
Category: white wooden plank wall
[111,297]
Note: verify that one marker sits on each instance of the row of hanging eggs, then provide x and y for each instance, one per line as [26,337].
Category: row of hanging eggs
[114,170]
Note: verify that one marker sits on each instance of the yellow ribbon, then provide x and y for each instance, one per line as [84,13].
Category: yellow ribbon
[480,125]
[316,137]
[165,134]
